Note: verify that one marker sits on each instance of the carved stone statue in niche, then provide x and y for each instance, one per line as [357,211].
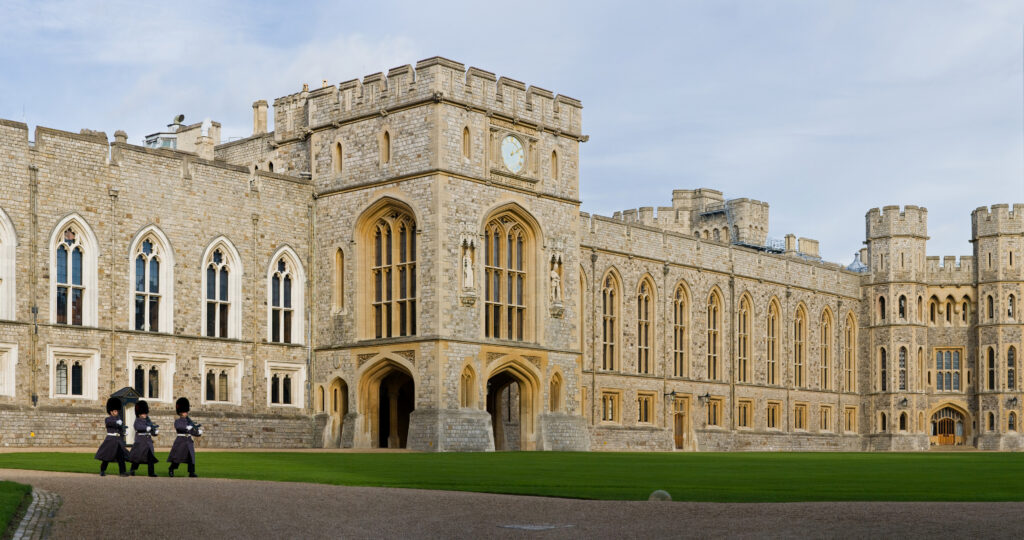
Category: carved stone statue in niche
[556,287]
[467,271]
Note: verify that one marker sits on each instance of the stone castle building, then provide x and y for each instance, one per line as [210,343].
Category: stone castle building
[403,262]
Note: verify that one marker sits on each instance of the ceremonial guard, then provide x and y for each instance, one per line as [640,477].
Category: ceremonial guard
[113,447]
[184,450]
[145,430]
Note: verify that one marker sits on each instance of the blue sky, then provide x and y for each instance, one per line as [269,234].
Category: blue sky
[822,109]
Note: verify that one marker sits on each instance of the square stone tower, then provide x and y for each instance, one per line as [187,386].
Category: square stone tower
[446,257]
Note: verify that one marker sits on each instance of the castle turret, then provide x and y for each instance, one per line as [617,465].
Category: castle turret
[898,335]
[997,233]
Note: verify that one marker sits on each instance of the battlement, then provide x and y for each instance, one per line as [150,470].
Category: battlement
[950,269]
[997,219]
[433,79]
[892,221]
[705,213]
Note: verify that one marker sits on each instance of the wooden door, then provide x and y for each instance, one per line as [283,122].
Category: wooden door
[680,429]
[945,431]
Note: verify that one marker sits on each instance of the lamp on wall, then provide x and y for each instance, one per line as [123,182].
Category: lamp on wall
[705,397]
[1012,402]
[672,393]
[903,402]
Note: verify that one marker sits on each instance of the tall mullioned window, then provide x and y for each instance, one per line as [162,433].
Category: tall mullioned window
[609,317]
[947,370]
[218,298]
[772,349]
[883,371]
[1011,368]
[714,323]
[903,368]
[70,278]
[850,355]
[281,312]
[393,275]
[826,351]
[679,316]
[799,347]
[147,288]
[506,250]
[644,305]
[743,342]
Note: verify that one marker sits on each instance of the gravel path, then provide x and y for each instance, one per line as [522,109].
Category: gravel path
[215,508]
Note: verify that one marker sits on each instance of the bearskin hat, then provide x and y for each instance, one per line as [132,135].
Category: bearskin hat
[181,405]
[142,407]
[113,404]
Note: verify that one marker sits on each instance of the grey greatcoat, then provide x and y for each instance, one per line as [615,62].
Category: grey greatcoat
[113,448]
[142,450]
[183,450]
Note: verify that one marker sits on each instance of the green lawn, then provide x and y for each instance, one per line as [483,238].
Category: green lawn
[11,496]
[740,477]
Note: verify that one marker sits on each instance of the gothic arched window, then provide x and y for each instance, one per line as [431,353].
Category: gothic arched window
[644,308]
[714,325]
[507,278]
[679,319]
[743,341]
[609,324]
[393,274]
[800,347]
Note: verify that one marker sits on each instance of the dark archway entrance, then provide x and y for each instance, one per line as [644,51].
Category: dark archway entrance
[504,404]
[396,399]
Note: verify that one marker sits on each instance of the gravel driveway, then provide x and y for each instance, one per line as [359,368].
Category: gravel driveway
[215,508]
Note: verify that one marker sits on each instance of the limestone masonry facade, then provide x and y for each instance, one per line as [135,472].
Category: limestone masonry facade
[403,262]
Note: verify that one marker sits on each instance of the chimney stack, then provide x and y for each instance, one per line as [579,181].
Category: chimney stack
[259,117]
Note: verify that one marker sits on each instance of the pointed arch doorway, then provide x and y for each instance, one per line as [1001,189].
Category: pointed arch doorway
[948,427]
[387,396]
[512,394]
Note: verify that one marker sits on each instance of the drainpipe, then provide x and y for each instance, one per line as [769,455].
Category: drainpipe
[593,339]
[310,290]
[33,175]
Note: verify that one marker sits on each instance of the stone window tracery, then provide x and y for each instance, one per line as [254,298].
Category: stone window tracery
[826,351]
[799,348]
[286,302]
[70,281]
[147,286]
[714,321]
[772,348]
[743,342]
[506,264]
[218,296]
[644,305]
[393,275]
[850,355]
[903,368]
[609,325]
[679,314]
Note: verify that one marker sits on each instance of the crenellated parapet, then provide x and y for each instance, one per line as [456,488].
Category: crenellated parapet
[706,213]
[997,219]
[950,270]
[892,221]
[432,80]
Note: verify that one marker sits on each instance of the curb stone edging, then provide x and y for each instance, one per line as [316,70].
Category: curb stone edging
[38,519]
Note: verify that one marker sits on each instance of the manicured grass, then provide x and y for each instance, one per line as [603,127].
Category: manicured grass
[11,496]
[741,477]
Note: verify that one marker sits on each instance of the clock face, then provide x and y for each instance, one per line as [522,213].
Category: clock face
[512,154]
